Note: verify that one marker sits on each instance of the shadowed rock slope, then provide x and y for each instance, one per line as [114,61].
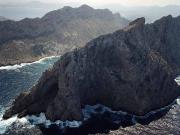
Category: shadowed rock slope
[131,70]
[57,32]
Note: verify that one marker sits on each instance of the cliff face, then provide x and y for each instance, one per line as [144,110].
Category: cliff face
[131,70]
[57,32]
[163,37]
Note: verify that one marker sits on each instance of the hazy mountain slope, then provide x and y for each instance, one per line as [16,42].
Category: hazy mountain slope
[3,18]
[33,9]
[151,13]
[56,33]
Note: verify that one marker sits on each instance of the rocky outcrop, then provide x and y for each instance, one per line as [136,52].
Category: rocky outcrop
[127,70]
[18,128]
[55,33]
[164,38]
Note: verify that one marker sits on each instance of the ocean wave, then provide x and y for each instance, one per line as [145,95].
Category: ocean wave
[87,114]
[88,110]
[36,120]
[17,66]
[178,80]
[178,101]
[41,119]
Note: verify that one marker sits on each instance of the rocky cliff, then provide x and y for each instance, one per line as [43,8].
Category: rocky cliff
[57,32]
[132,70]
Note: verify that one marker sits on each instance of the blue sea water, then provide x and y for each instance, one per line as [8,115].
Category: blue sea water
[18,78]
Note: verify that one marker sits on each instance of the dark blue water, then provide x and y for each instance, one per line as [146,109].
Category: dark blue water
[19,78]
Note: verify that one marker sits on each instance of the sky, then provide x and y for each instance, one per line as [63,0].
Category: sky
[104,2]
[130,2]
[150,9]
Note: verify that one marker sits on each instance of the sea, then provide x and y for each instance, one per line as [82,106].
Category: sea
[15,79]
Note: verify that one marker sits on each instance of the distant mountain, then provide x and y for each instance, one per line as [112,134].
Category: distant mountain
[151,13]
[20,10]
[32,9]
[3,18]
[55,33]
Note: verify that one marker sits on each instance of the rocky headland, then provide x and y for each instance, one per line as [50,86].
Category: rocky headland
[132,70]
[55,33]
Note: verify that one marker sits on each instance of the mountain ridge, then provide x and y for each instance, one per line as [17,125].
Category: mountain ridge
[2,18]
[57,32]
[151,13]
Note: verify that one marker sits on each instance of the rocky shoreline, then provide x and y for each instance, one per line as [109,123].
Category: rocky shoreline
[162,122]
[26,61]
[20,61]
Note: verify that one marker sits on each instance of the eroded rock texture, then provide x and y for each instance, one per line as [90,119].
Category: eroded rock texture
[131,70]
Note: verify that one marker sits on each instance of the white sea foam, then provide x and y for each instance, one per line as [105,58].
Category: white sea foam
[35,120]
[87,112]
[15,67]
[178,101]
[4,124]
[41,119]
[178,80]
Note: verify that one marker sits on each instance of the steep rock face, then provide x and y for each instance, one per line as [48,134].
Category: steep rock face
[164,38]
[57,32]
[123,70]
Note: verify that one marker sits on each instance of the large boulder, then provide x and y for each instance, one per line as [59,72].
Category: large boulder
[127,70]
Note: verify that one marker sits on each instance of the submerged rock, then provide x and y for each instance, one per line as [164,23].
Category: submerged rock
[132,70]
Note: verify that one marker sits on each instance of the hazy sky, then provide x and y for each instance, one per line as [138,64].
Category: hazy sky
[19,9]
[129,2]
[104,2]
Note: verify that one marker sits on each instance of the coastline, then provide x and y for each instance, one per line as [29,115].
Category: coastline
[20,65]
[89,112]
[32,60]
